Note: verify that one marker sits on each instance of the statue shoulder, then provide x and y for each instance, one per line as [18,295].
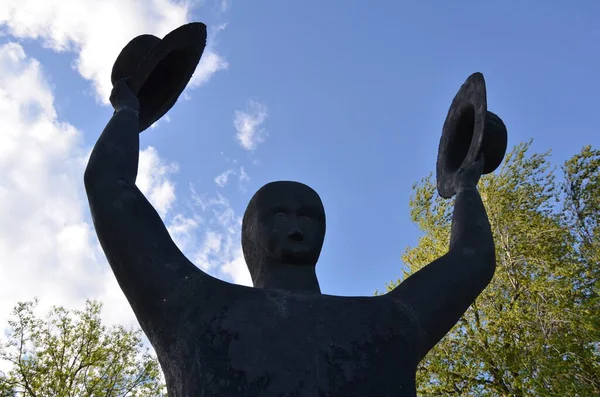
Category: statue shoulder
[208,293]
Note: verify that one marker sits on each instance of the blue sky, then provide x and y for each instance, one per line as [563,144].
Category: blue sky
[348,97]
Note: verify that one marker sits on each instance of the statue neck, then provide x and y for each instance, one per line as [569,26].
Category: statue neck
[292,278]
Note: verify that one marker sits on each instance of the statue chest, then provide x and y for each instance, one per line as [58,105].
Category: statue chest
[278,344]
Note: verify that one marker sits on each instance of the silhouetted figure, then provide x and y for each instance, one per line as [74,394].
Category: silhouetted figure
[282,337]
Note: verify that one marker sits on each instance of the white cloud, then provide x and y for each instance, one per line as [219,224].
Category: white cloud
[223,178]
[166,118]
[235,266]
[220,252]
[244,177]
[209,64]
[153,180]
[225,4]
[97,30]
[182,229]
[248,125]
[48,247]
[47,242]
[211,247]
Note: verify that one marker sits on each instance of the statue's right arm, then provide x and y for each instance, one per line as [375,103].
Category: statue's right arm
[145,260]
[442,291]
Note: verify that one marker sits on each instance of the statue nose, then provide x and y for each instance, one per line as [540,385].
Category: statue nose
[296,235]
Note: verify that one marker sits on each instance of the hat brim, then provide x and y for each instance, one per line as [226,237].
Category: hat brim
[470,99]
[167,69]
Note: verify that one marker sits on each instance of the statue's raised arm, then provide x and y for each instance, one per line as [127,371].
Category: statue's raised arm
[148,76]
[473,143]
[442,291]
[145,260]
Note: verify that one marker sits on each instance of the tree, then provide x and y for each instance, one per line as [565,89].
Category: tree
[6,390]
[71,353]
[535,330]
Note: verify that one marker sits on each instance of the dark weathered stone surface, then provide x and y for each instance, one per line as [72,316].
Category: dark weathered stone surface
[283,337]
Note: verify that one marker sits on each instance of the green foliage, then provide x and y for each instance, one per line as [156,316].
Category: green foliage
[535,331]
[70,353]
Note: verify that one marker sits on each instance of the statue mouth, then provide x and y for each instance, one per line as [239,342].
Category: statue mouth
[296,248]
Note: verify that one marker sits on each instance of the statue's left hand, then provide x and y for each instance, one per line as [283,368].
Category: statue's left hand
[469,177]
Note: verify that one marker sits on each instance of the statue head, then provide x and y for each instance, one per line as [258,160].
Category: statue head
[283,227]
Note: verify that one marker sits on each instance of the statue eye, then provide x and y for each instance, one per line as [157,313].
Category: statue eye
[279,213]
[308,213]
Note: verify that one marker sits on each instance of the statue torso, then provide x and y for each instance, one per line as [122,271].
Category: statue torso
[238,341]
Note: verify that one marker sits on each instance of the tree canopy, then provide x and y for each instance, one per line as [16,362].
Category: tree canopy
[71,353]
[535,330]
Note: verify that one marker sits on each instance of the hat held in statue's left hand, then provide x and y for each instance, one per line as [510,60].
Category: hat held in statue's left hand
[159,70]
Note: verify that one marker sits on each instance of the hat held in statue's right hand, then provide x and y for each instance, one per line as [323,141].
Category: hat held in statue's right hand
[469,177]
[470,130]
[159,70]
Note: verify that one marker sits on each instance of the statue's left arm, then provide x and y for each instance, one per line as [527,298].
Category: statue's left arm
[441,292]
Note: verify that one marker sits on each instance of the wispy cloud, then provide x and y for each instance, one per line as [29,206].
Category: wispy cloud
[220,252]
[222,179]
[225,177]
[96,31]
[248,124]
[244,177]
[225,4]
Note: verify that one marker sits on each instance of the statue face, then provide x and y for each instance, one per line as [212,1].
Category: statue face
[287,221]
[294,232]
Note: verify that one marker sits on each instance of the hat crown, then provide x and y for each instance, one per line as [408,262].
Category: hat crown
[158,70]
[132,56]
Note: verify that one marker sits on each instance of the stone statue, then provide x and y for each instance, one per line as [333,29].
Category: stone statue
[283,337]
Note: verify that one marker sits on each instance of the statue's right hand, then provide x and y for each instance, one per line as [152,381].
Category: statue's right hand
[469,177]
[123,97]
